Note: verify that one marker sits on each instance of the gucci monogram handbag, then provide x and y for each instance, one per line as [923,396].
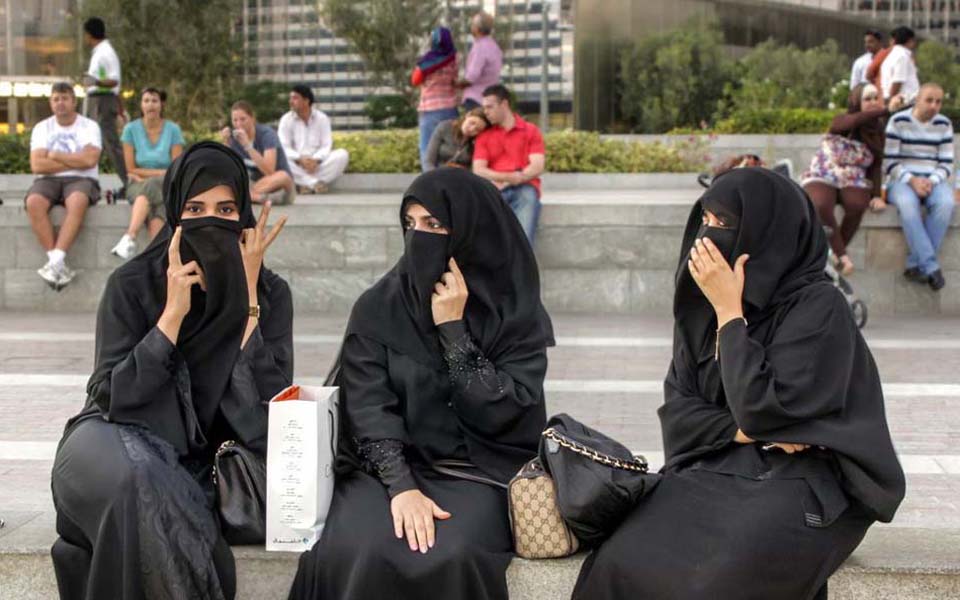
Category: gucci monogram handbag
[576,492]
[538,528]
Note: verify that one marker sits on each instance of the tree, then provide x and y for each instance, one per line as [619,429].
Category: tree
[190,49]
[937,63]
[775,77]
[388,35]
[673,79]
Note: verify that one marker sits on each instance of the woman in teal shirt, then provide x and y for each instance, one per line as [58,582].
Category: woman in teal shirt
[150,144]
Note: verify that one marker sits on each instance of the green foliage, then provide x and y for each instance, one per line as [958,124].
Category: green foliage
[390,112]
[674,78]
[387,34]
[186,48]
[396,151]
[387,151]
[586,152]
[937,63]
[774,76]
[772,120]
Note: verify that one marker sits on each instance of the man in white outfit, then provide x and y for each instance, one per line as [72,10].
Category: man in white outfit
[307,140]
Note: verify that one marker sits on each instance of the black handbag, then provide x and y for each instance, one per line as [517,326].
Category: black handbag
[240,478]
[598,480]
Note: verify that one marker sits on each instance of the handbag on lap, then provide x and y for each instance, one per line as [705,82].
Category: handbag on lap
[576,492]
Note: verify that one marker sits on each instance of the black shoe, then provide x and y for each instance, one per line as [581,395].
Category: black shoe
[915,275]
[936,280]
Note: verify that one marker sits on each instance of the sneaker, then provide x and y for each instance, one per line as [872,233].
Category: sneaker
[126,248]
[321,188]
[50,274]
[915,275]
[936,280]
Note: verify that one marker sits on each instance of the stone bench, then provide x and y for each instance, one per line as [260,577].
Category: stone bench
[610,250]
[891,563]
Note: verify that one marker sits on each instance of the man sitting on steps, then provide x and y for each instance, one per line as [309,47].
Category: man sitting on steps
[64,154]
[307,141]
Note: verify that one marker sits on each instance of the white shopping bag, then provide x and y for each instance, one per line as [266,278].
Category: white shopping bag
[301,447]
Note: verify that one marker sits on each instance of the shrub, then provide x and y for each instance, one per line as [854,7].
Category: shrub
[775,76]
[586,152]
[786,120]
[385,151]
[673,79]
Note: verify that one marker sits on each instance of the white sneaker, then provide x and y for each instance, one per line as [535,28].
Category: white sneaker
[50,274]
[57,276]
[126,248]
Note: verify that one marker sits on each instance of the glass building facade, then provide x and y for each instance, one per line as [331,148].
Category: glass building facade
[37,48]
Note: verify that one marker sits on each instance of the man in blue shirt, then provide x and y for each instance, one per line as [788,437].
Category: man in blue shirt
[260,148]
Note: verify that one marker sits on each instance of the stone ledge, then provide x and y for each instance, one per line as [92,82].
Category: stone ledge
[891,563]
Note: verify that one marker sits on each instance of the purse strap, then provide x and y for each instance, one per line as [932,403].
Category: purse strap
[637,465]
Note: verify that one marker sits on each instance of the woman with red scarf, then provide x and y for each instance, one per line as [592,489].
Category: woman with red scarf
[436,75]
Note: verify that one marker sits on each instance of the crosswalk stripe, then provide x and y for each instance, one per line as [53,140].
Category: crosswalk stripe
[595,386]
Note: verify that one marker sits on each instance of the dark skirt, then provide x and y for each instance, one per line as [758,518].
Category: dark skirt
[134,522]
[358,556]
[704,535]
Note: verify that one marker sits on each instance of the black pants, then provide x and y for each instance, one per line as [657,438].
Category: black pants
[104,109]
[134,523]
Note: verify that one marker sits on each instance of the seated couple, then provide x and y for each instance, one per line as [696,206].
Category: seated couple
[445,358]
[498,145]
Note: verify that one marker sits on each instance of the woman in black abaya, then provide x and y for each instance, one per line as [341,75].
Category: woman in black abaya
[443,362]
[778,453]
[183,363]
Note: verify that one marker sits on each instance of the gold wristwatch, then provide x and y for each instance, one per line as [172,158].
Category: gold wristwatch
[254,311]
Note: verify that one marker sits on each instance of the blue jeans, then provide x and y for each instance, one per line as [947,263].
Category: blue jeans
[524,201]
[429,120]
[924,236]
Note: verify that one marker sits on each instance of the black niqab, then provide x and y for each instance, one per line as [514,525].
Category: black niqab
[211,333]
[504,313]
[804,373]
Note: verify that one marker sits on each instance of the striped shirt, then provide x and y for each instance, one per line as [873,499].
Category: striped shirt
[439,89]
[919,148]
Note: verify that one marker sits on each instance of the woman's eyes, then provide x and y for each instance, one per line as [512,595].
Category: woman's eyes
[227,210]
[434,225]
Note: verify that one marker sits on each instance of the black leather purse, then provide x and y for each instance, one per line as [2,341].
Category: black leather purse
[240,477]
[598,480]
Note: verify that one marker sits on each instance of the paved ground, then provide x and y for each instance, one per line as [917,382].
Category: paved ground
[606,371]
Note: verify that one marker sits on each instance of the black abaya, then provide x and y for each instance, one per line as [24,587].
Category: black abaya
[132,476]
[414,394]
[732,520]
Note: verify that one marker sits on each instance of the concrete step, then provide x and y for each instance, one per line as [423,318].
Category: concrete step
[891,564]
[600,251]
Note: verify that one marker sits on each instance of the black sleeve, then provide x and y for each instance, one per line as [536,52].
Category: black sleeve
[801,375]
[490,399]
[373,413]
[139,376]
[690,424]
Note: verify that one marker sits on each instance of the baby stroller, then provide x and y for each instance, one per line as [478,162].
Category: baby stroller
[784,167]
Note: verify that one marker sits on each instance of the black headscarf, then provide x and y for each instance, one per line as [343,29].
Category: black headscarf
[210,336]
[503,313]
[827,389]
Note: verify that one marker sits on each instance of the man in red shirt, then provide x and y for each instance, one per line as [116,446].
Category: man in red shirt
[511,155]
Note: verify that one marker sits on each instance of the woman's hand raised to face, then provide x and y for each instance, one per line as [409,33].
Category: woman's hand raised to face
[254,242]
[722,285]
[180,279]
[449,295]
[413,515]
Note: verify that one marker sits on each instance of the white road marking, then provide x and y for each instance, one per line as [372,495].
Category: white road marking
[596,386]
[913,464]
[562,341]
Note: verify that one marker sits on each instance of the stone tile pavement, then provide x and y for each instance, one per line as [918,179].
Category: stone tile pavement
[605,370]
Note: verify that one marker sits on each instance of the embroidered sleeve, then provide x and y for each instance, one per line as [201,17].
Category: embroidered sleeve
[468,368]
[385,460]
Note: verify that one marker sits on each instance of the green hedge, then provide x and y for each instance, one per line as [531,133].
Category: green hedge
[396,151]
[784,120]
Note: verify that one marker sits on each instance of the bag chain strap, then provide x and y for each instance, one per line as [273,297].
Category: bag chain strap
[223,446]
[636,465]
